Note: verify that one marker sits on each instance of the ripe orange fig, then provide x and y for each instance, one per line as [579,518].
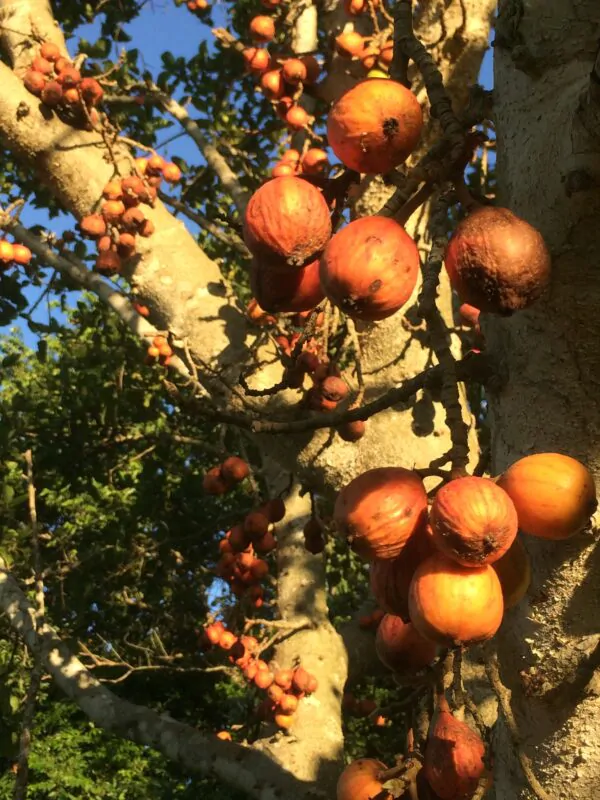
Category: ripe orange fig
[313,69]
[283,106]
[390,578]
[369,56]
[52,93]
[224,735]
[146,228]
[262,29]
[7,251]
[284,721]
[91,91]
[171,172]
[380,510]
[213,483]
[284,677]
[291,155]
[297,118]
[554,494]
[283,168]
[21,254]
[234,469]
[454,755]
[132,220]
[294,71]
[470,315]
[34,82]
[275,693]
[315,161]
[359,781]
[387,53]
[453,605]
[369,268]
[62,63]
[272,84]
[349,44]
[42,65]
[276,291]
[126,245]
[352,431]
[108,261]
[401,647]
[256,60]
[69,77]
[514,572]
[473,521]
[49,51]
[375,126]
[263,678]
[155,165]
[287,223]
[288,703]
[113,210]
[497,261]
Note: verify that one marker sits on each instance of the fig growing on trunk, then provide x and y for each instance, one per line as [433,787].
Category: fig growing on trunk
[453,605]
[297,290]
[359,780]
[473,521]
[369,268]
[514,572]
[401,647]
[554,494]
[287,223]
[375,126]
[454,755]
[497,261]
[380,510]
[390,578]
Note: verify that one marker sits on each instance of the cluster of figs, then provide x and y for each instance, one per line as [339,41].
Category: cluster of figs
[496,261]
[284,688]
[444,575]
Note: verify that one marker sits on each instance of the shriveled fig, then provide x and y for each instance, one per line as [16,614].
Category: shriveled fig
[380,510]
[453,757]
[497,261]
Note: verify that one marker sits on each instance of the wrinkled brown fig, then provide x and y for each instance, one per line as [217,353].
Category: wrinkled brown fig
[497,262]
[453,757]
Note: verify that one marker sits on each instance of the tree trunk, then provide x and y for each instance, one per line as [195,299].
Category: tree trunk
[549,173]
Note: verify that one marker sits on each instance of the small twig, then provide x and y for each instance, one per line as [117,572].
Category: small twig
[504,694]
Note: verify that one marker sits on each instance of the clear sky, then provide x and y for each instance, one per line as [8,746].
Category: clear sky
[163,26]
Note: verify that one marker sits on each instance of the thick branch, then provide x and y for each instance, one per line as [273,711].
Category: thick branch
[241,767]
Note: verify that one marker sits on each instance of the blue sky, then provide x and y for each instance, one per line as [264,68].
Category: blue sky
[163,26]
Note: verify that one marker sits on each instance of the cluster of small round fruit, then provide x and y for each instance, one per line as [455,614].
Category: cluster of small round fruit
[284,687]
[313,162]
[13,253]
[57,82]
[239,563]
[120,219]
[372,52]
[281,80]
[197,6]
[160,350]
[223,477]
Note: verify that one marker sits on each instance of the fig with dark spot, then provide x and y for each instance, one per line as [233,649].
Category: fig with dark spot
[369,268]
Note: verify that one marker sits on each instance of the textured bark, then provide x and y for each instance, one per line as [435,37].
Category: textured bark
[549,173]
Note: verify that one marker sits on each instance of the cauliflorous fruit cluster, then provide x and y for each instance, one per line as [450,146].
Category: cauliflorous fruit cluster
[13,253]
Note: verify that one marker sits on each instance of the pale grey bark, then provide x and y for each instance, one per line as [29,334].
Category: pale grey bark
[549,173]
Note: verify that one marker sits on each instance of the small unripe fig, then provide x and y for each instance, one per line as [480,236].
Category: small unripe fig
[262,29]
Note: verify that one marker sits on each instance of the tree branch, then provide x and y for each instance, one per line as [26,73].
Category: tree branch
[213,158]
[241,767]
